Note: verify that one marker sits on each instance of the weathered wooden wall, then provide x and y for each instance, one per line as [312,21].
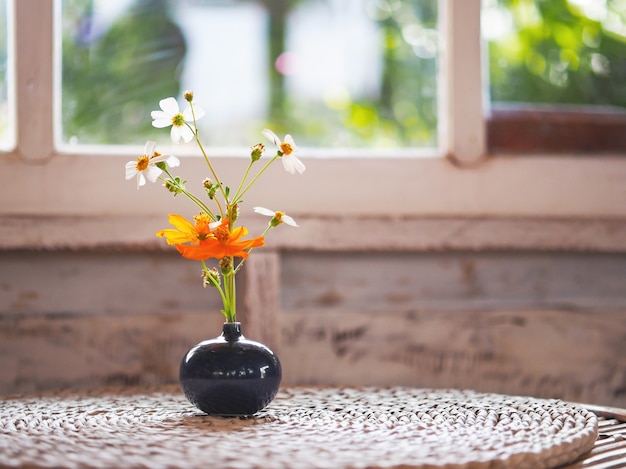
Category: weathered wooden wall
[80,319]
[546,324]
[542,322]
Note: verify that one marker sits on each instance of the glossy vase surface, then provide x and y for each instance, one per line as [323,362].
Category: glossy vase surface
[230,375]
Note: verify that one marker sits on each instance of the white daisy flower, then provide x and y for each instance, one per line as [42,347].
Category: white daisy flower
[277,217]
[286,148]
[145,166]
[171,115]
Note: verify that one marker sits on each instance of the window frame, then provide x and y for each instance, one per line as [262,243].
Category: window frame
[52,188]
[8,141]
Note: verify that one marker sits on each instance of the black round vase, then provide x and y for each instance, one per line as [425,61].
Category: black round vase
[230,375]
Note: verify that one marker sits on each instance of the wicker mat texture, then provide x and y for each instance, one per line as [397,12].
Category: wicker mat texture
[302,428]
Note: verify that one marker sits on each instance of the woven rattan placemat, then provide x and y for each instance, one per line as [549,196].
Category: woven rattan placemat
[302,428]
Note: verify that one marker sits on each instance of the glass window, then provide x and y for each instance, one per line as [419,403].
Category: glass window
[556,52]
[556,71]
[6,126]
[337,73]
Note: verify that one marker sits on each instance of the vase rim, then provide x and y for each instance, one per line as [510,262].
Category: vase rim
[232,331]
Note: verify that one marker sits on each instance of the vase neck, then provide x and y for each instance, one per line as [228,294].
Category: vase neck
[232,331]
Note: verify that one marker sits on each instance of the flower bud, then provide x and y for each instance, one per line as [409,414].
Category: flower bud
[209,187]
[175,185]
[210,278]
[257,151]
[234,214]
[226,265]
[188,95]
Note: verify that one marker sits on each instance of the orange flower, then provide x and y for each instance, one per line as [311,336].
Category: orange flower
[221,243]
[187,232]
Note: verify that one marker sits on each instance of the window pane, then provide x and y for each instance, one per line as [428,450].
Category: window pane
[6,129]
[557,51]
[336,73]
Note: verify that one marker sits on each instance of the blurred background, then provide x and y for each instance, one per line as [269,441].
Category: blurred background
[524,305]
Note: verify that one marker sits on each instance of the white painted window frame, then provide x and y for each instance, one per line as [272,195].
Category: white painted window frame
[43,184]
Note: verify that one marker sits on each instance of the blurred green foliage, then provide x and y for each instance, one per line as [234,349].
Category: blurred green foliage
[548,51]
[112,82]
[554,53]
[404,111]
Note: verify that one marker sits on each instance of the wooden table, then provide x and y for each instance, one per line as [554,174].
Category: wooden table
[309,427]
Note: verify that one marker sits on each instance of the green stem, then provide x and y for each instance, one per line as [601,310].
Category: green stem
[194,129]
[189,195]
[215,282]
[229,282]
[243,180]
[214,173]
[258,175]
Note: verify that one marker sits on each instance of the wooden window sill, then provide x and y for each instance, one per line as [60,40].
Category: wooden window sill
[568,130]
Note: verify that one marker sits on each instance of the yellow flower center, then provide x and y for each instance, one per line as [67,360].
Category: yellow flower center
[222,233]
[178,120]
[202,226]
[202,218]
[286,148]
[142,163]
[279,216]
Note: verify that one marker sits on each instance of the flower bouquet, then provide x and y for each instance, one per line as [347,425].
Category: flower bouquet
[229,375]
